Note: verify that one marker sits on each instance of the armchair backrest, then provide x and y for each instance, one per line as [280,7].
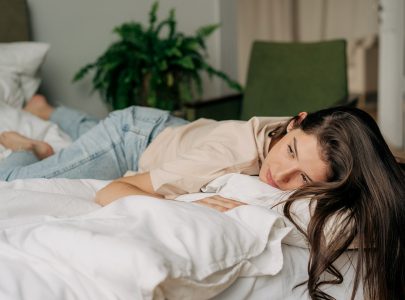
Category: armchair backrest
[286,78]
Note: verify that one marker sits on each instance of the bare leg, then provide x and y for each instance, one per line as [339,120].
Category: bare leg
[73,122]
[39,107]
[14,141]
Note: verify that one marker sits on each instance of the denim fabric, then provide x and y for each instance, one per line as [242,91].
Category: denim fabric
[106,151]
[18,158]
[74,123]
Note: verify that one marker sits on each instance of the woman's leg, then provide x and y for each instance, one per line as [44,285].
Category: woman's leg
[72,122]
[18,158]
[16,142]
[106,151]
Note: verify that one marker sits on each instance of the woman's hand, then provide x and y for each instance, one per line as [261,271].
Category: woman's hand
[219,203]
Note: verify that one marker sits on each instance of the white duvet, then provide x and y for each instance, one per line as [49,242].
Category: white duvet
[56,243]
[13,119]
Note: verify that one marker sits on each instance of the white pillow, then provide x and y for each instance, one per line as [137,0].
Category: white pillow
[19,64]
[251,190]
[22,57]
[29,86]
[10,89]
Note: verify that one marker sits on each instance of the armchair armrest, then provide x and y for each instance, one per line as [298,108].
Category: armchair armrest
[222,108]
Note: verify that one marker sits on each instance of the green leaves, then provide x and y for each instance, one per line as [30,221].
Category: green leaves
[83,71]
[154,65]
[186,62]
[152,15]
[130,32]
[206,31]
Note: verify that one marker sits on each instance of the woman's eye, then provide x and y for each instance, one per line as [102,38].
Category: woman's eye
[290,151]
[304,178]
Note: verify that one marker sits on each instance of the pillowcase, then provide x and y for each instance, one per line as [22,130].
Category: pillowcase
[19,65]
[251,190]
[10,89]
[22,57]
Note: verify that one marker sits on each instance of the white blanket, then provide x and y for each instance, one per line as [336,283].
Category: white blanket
[136,248]
[13,119]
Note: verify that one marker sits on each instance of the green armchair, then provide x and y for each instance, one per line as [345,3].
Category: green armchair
[284,79]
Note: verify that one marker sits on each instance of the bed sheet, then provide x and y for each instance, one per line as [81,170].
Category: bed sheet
[282,285]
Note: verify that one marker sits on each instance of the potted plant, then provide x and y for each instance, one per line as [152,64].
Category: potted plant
[153,66]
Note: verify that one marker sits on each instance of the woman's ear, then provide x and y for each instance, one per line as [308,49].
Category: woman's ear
[301,116]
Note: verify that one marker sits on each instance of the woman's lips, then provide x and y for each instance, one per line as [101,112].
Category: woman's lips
[270,180]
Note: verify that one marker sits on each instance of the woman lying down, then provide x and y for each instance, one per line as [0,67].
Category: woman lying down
[337,157]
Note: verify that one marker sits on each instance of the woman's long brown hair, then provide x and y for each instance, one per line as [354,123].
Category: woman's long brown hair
[364,197]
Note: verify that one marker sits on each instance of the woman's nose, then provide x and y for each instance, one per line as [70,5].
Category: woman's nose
[285,176]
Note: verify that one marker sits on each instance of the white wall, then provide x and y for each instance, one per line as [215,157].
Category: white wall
[229,42]
[391,98]
[80,30]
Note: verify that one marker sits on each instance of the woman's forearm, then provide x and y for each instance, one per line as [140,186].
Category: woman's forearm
[118,189]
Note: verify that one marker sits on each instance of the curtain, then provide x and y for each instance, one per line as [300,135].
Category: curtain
[314,20]
[262,20]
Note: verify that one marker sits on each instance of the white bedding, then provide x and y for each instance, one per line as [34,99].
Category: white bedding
[14,119]
[294,271]
[57,244]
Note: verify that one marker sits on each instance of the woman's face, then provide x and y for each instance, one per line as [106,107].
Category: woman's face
[294,161]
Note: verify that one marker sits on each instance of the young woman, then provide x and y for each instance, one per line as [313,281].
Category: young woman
[337,157]
[365,194]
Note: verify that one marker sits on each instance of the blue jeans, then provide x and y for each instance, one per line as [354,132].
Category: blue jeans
[103,149]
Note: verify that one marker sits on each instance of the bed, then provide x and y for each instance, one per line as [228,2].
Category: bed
[56,243]
[20,62]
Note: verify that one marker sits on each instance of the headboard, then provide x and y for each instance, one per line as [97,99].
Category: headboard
[14,21]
